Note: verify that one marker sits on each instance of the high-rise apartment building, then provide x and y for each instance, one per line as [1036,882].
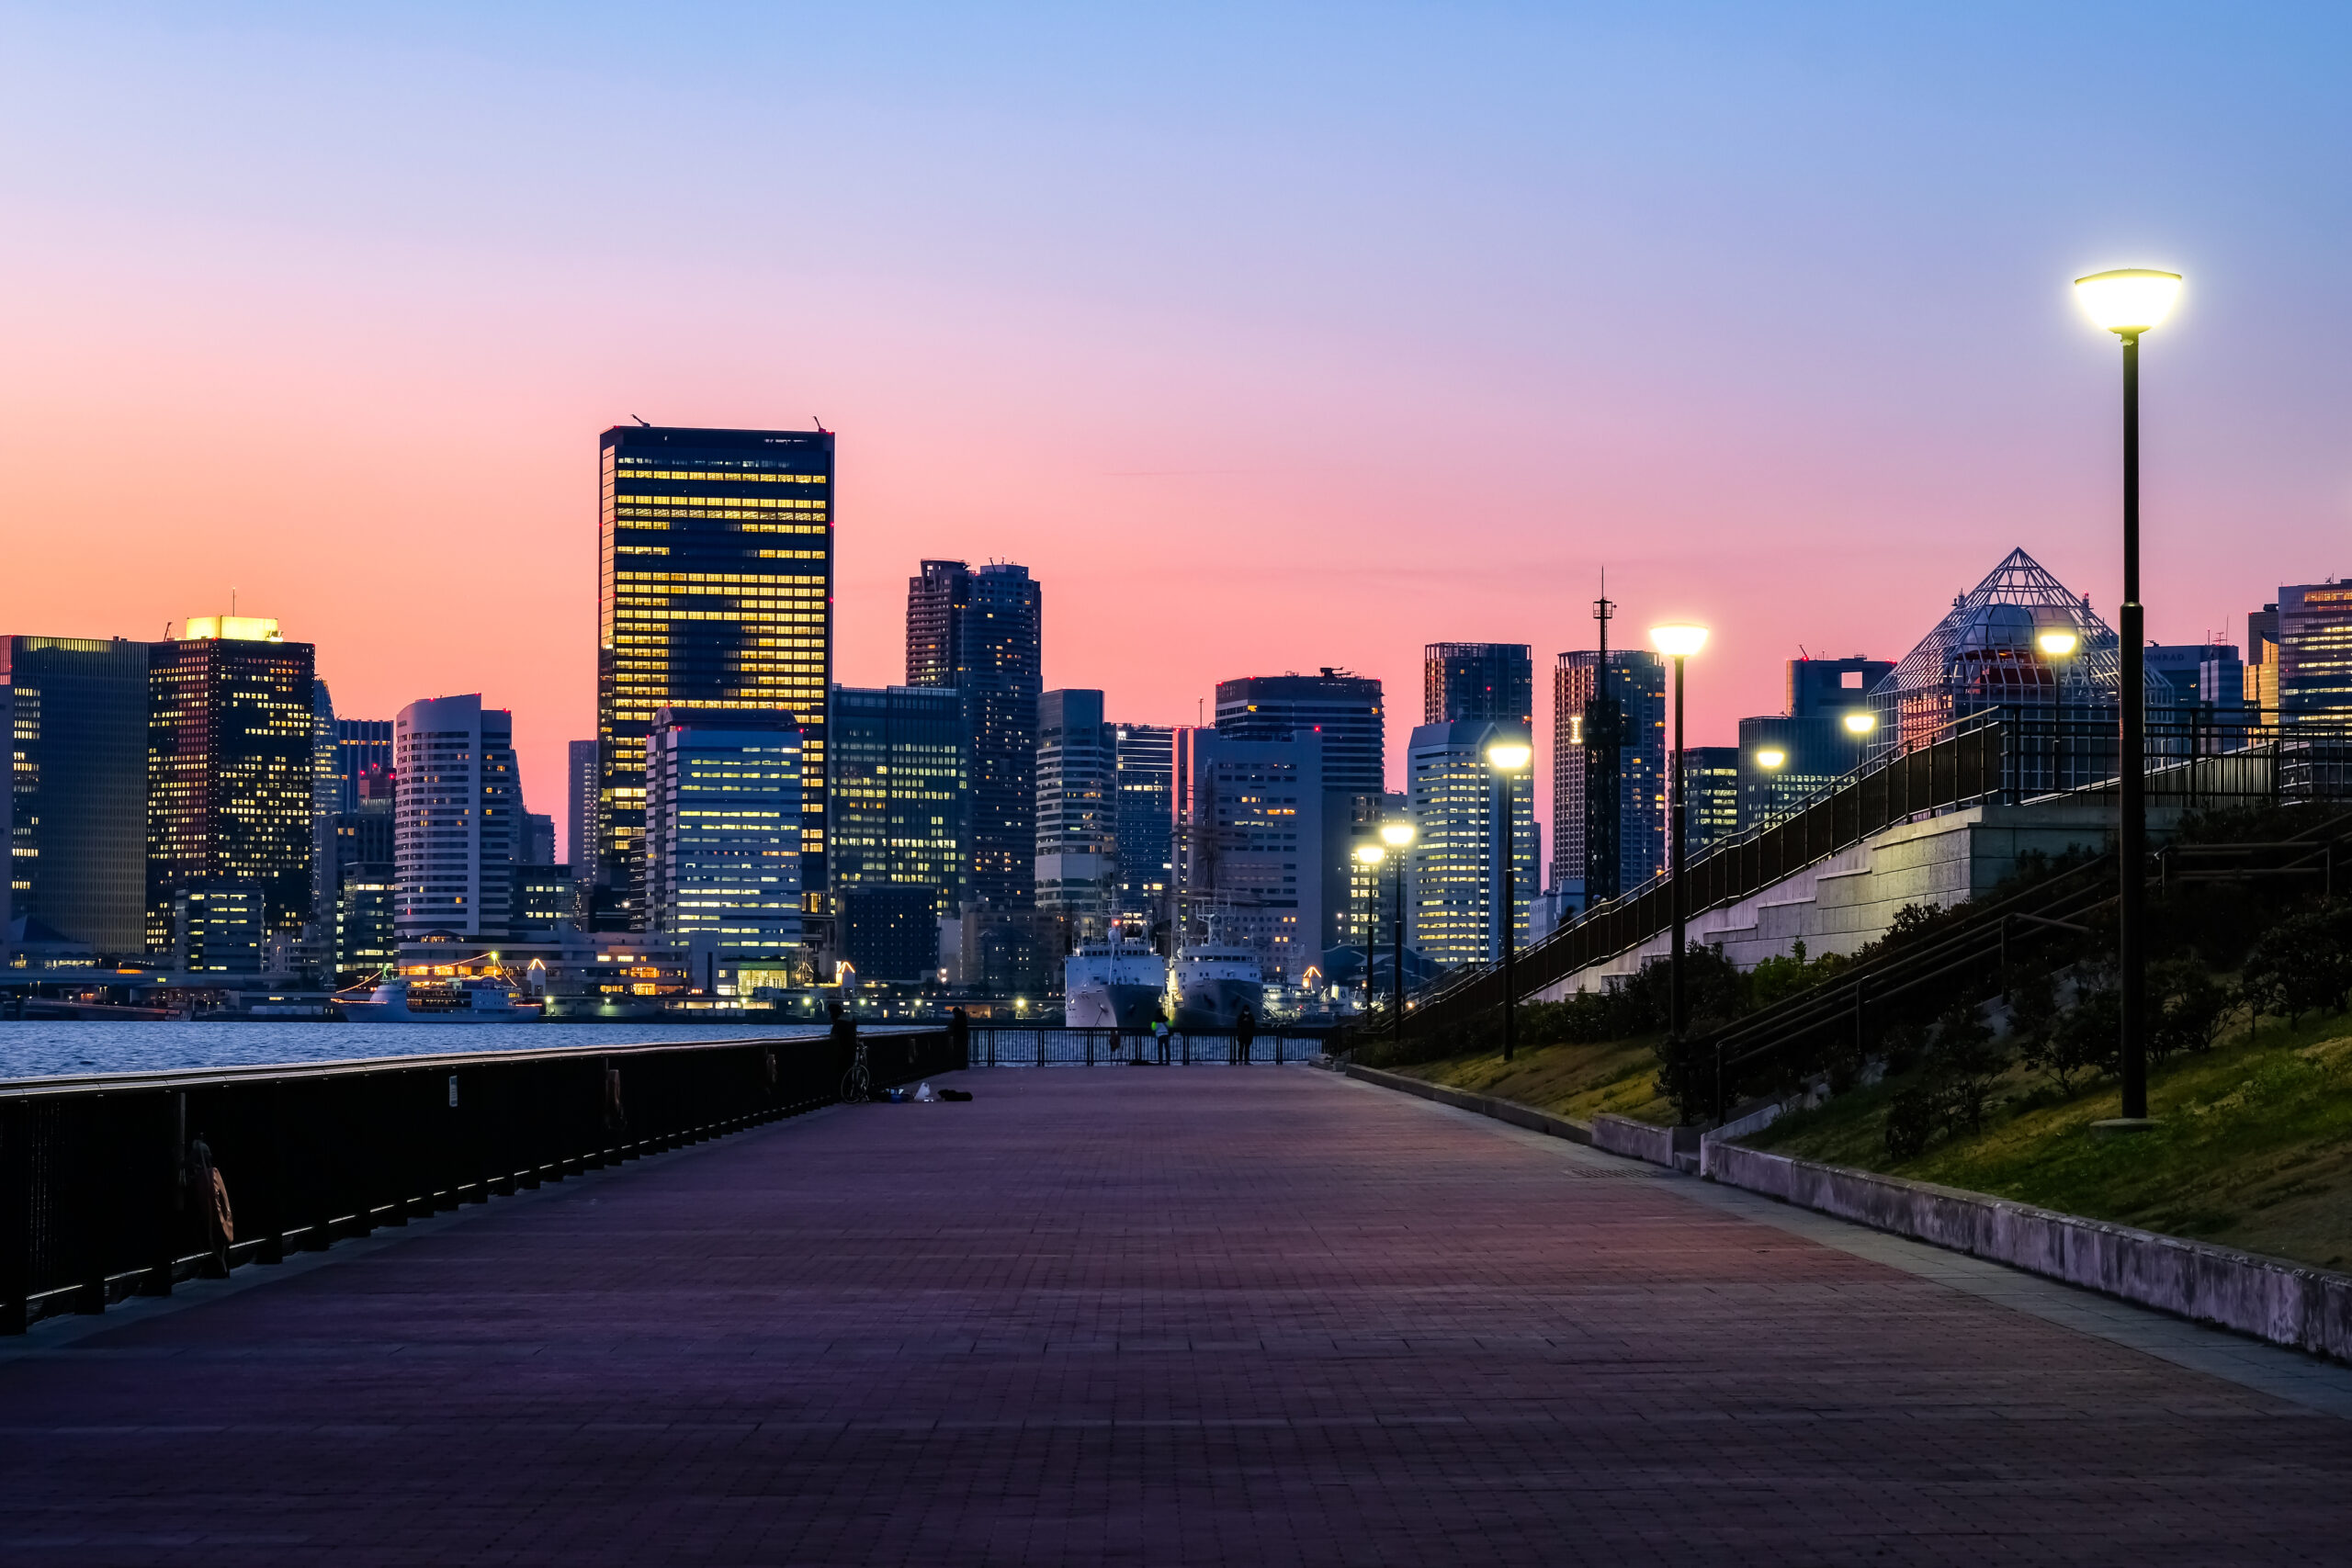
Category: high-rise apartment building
[1346,712]
[456,829]
[1484,682]
[1259,846]
[2315,651]
[74,814]
[982,632]
[230,756]
[579,825]
[716,595]
[1144,823]
[1636,680]
[722,832]
[1077,811]
[1466,817]
[899,815]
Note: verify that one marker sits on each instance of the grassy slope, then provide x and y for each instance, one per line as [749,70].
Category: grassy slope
[1567,1080]
[2255,1149]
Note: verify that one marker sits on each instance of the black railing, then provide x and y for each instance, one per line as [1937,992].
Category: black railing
[997,1047]
[124,1184]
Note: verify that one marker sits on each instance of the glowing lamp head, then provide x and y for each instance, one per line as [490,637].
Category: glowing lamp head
[2129,300]
[2056,642]
[1510,756]
[1677,642]
[1771,757]
[1370,855]
[1860,723]
[1397,835]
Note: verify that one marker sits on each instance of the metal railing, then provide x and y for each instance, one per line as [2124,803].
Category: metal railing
[129,1183]
[993,1047]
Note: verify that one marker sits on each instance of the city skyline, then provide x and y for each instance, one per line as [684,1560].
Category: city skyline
[1065,377]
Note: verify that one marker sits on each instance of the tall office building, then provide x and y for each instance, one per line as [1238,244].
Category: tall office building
[230,755]
[1077,811]
[2315,651]
[1786,757]
[722,832]
[2208,679]
[363,750]
[1479,680]
[1465,817]
[73,815]
[982,633]
[579,825]
[899,808]
[716,593]
[326,799]
[1143,826]
[2261,687]
[1637,686]
[1711,806]
[1259,847]
[456,829]
[1346,712]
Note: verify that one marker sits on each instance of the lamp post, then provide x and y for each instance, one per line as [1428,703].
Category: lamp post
[1369,856]
[1677,643]
[1398,836]
[1509,759]
[2126,303]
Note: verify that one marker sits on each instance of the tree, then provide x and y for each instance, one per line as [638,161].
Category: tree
[2087,1040]
[2302,965]
[2189,1007]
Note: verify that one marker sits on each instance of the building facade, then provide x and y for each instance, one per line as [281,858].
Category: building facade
[456,826]
[1347,714]
[218,928]
[1077,812]
[1786,757]
[899,788]
[1143,826]
[1259,859]
[716,581]
[1711,778]
[579,824]
[1467,817]
[2315,651]
[983,633]
[722,832]
[230,758]
[2261,687]
[1478,681]
[1636,684]
[73,815]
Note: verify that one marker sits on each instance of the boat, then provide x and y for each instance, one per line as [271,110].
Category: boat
[1117,984]
[465,999]
[1215,980]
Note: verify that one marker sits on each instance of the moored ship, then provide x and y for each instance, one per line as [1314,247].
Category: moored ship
[1215,981]
[466,999]
[1117,984]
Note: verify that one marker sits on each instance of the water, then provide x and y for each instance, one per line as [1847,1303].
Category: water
[50,1050]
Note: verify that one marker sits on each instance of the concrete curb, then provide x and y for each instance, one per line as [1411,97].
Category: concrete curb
[1485,1105]
[2306,1309]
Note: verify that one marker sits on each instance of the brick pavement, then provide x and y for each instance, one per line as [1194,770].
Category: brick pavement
[1137,1317]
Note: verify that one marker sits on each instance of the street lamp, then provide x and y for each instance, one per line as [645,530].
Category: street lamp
[2056,642]
[2127,302]
[1677,643]
[1507,758]
[1771,757]
[1398,836]
[1860,723]
[1369,856]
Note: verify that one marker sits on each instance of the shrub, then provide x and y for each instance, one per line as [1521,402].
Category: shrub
[2302,963]
[2187,1007]
[1964,1066]
[1910,1122]
[2086,1041]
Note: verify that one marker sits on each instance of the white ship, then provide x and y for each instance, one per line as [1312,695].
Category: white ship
[1113,985]
[1215,980]
[471,1000]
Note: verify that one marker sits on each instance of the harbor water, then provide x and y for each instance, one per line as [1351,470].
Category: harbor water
[32,1050]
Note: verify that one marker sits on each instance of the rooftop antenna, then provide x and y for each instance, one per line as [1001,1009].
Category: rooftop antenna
[820,425]
[643,420]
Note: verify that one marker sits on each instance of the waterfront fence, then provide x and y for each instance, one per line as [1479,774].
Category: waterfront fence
[994,1047]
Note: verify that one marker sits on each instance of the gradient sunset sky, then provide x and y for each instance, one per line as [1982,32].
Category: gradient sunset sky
[1267,337]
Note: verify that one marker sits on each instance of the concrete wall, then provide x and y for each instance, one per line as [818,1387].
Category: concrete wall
[1848,901]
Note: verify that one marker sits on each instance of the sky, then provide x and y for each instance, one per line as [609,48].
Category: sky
[1267,336]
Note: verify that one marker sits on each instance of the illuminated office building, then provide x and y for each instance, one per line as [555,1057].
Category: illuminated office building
[580,826]
[722,833]
[229,759]
[898,806]
[1144,769]
[1345,712]
[715,594]
[456,829]
[1259,847]
[1464,814]
[74,800]
[1786,757]
[363,751]
[1711,807]
[1483,680]
[1637,686]
[982,632]
[1077,811]
[2315,651]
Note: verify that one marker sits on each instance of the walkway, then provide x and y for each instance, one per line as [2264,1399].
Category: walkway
[1139,1316]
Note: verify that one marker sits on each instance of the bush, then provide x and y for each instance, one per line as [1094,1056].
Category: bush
[1910,1122]
[2186,1006]
[2304,964]
[1964,1064]
[2086,1041]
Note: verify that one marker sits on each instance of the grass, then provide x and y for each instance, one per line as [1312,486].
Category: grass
[2253,1150]
[1618,1076]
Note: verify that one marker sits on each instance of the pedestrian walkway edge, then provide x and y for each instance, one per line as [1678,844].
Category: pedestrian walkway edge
[1485,1105]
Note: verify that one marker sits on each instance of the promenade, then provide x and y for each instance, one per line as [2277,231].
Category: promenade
[1155,1316]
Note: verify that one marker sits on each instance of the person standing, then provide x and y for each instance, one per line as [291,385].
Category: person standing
[959,1036]
[1245,1031]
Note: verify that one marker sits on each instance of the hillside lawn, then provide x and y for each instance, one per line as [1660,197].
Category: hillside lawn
[1575,1082]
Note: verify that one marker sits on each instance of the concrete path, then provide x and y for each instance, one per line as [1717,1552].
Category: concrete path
[1250,1316]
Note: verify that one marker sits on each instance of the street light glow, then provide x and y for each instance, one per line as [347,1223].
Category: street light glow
[1860,723]
[1770,756]
[1509,756]
[2129,299]
[1677,642]
[1397,835]
[1371,854]
[2056,643]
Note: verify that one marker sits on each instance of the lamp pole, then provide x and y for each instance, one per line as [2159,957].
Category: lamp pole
[1677,643]
[1398,837]
[1507,758]
[2126,303]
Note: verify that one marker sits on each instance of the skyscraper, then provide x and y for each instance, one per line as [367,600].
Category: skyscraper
[1637,686]
[75,806]
[722,833]
[982,633]
[2315,651]
[1259,846]
[898,806]
[1482,681]
[1711,775]
[230,754]
[326,800]
[1346,712]
[580,825]
[1463,817]
[716,593]
[1077,811]
[1144,822]
[456,829]
[2262,662]
[363,747]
